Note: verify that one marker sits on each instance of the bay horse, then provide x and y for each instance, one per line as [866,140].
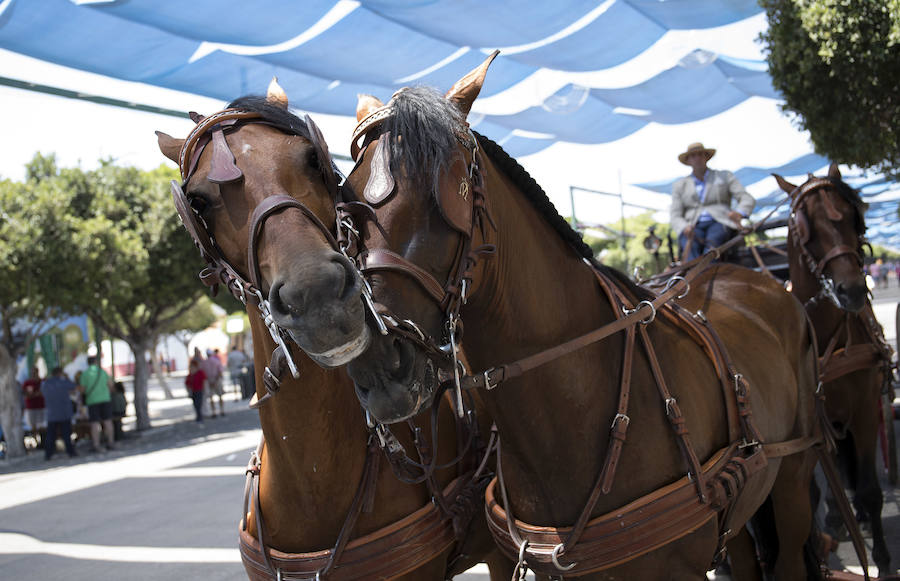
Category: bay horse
[321,500]
[826,237]
[712,383]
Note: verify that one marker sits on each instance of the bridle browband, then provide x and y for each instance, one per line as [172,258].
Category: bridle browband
[799,228]
[218,269]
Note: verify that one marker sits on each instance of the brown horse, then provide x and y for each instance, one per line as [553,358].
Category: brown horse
[325,503]
[826,234]
[465,235]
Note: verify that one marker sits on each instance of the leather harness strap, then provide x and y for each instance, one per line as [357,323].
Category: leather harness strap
[386,553]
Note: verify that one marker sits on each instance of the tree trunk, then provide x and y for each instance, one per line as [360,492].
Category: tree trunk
[139,347]
[10,405]
[157,370]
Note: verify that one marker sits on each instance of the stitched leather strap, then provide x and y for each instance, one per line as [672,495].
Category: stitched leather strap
[266,208]
[380,259]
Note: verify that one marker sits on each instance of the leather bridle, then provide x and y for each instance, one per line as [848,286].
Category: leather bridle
[450,295]
[799,228]
[211,130]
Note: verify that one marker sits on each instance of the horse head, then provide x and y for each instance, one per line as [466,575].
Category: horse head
[258,190]
[826,232]
[418,167]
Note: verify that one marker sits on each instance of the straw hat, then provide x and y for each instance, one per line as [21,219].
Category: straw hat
[682,157]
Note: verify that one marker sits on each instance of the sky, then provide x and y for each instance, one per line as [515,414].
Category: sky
[753,133]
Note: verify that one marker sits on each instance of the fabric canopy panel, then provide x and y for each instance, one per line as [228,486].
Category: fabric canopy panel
[326,52]
[701,85]
[750,175]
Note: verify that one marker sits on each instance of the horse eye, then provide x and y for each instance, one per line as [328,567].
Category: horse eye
[198,204]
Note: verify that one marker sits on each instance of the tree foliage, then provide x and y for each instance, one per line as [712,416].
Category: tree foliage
[836,62]
[635,254]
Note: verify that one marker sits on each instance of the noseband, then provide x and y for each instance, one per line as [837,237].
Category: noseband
[223,171]
[799,228]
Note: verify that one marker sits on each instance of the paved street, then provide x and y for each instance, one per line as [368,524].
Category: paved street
[166,505]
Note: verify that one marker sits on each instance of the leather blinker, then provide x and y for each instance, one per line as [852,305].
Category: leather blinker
[192,224]
[324,157]
[381,182]
[801,225]
[455,196]
[223,169]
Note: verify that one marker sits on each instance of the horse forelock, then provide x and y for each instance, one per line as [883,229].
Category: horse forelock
[852,196]
[277,116]
[423,128]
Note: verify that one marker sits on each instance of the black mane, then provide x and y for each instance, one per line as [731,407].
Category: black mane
[279,117]
[428,124]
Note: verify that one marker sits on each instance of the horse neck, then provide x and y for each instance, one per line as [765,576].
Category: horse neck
[536,292]
[315,448]
[827,319]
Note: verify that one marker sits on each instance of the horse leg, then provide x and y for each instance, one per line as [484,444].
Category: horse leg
[793,515]
[500,567]
[870,498]
[744,562]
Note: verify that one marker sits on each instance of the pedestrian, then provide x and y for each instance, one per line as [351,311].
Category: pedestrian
[702,212]
[119,407]
[212,367]
[237,367]
[95,384]
[196,384]
[34,404]
[58,391]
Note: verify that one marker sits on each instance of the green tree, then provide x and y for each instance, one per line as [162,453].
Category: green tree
[837,63]
[133,268]
[197,318]
[30,229]
[611,253]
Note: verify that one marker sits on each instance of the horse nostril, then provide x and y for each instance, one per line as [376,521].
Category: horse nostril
[349,284]
[286,300]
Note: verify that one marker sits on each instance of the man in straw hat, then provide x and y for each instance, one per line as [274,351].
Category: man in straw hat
[702,212]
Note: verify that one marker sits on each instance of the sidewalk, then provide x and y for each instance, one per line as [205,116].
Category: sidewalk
[172,424]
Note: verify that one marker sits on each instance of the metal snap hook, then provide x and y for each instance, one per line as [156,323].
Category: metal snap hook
[648,320]
[554,556]
[673,281]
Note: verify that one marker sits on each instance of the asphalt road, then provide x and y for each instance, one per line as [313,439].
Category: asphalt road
[166,505]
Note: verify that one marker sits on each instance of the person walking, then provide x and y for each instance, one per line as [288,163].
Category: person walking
[34,403]
[702,212]
[196,384]
[57,391]
[213,368]
[95,384]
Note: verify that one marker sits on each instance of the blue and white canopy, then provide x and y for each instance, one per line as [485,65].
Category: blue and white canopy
[571,72]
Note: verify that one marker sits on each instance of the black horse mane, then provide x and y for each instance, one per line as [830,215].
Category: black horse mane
[427,124]
[277,116]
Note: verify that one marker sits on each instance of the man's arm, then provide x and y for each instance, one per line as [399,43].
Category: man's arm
[676,214]
[743,202]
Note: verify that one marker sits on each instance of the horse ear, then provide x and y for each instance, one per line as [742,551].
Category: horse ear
[464,92]
[276,95]
[834,172]
[169,146]
[365,105]
[785,185]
